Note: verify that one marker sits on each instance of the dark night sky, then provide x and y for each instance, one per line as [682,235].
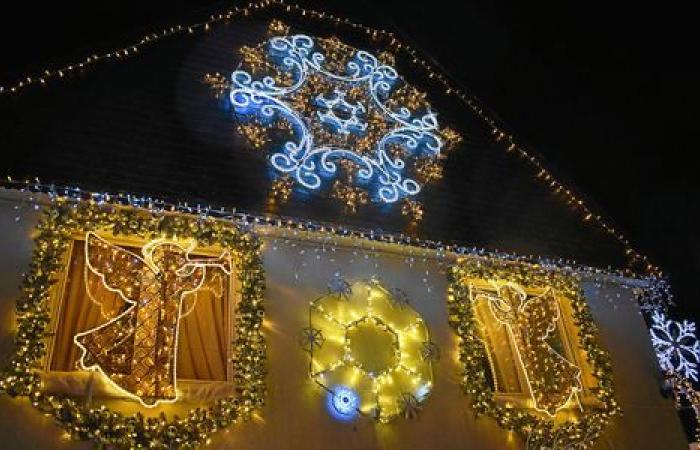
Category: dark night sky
[608,95]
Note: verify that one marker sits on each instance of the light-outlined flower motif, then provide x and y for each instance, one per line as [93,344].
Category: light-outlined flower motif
[311,339]
[339,286]
[676,345]
[410,405]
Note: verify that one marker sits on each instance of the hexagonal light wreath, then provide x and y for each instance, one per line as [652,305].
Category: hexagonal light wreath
[369,352]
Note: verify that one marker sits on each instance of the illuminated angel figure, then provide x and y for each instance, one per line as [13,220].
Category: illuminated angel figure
[530,320]
[136,349]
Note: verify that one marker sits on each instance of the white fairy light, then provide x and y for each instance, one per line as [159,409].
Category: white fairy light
[676,345]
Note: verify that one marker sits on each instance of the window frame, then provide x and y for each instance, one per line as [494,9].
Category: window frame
[567,332]
[232,297]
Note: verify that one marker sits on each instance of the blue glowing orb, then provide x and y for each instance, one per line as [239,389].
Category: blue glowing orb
[343,403]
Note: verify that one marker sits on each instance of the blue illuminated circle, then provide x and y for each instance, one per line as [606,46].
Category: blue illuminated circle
[343,403]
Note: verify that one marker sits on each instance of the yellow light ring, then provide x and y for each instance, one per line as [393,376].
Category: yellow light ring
[336,318]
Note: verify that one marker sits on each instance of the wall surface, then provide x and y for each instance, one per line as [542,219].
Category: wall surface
[295,415]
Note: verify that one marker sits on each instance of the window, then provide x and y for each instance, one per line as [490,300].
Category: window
[532,346]
[82,303]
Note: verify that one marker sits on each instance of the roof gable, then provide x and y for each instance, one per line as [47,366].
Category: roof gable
[149,125]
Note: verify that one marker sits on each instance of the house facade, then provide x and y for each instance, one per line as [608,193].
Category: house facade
[277,228]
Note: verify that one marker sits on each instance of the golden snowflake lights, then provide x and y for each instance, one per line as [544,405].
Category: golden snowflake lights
[254,133]
[413,210]
[217,82]
[351,196]
[428,170]
[281,189]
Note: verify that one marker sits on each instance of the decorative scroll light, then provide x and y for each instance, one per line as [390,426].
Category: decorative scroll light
[531,320]
[323,104]
[369,353]
[137,349]
[676,345]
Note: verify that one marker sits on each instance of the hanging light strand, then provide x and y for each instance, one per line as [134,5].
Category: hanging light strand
[655,293]
[637,261]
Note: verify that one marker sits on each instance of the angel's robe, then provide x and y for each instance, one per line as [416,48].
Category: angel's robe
[531,321]
[137,348]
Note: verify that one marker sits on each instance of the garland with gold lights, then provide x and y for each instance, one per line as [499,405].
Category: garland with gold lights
[105,427]
[684,388]
[509,141]
[538,431]
[655,293]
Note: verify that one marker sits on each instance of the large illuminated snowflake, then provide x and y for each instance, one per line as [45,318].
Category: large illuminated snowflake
[676,345]
[326,110]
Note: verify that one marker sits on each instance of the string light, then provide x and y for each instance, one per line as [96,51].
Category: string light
[373,346]
[351,196]
[281,189]
[684,388]
[676,345]
[539,431]
[109,428]
[530,320]
[136,351]
[344,403]
[651,292]
[510,144]
[412,209]
[335,106]
[254,133]
[74,199]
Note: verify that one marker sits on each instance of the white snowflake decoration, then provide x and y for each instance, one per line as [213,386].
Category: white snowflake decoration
[339,286]
[676,345]
[387,164]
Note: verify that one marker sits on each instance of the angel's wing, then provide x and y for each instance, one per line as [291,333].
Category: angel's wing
[213,283]
[118,269]
[221,262]
[504,303]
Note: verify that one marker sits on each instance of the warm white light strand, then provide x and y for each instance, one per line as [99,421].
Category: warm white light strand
[498,130]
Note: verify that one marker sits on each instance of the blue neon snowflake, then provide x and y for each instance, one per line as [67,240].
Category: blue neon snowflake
[338,112]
